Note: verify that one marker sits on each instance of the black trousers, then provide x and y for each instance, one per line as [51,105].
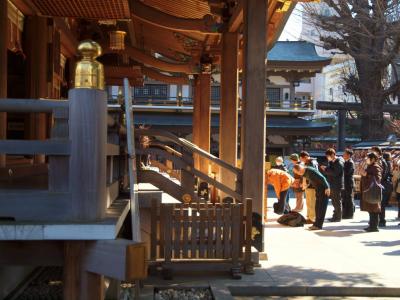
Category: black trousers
[348,203]
[336,197]
[387,192]
[373,220]
[321,204]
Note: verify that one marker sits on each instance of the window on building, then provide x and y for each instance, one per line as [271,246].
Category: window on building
[154,91]
[274,97]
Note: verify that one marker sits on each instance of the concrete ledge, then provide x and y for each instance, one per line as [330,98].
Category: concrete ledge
[328,291]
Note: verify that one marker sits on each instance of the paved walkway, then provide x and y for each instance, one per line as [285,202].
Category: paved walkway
[341,255]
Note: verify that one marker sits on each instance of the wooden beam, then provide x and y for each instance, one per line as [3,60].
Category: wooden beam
[153,74]
[35,205]
[156,17]
[32,253]
[253,120]
[119,259]
[37,60]
[3,70]
[88,126]
[31,105]
[48,147]
[139,56]
[69,43]
[228,131]
[237,17]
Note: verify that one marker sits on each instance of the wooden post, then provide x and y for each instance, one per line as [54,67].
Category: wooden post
[255,17]
[3,71]
[228,130]
[202,118]
[78,283]
[37,74]
[88,135]
[341,130]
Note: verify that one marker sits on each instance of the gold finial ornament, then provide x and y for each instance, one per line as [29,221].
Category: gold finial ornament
[89,73]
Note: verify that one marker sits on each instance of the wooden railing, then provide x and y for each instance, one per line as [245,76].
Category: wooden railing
[184,161]
[215,236]
[53,203]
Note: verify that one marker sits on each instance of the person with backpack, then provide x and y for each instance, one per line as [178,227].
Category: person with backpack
[281,181]
[371,191]
[322,191]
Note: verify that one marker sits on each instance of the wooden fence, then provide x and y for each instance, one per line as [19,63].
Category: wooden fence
[216,236]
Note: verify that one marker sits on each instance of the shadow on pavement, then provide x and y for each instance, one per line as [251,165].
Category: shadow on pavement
[292,276]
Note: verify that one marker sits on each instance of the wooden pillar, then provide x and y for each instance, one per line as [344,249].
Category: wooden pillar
[37,52]
[254,126]
[88,136]
[3,71]
[228,130]
[78,283]
[202,118]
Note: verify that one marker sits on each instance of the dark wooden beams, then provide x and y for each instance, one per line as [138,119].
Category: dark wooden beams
[148,14]
[154,74]
[146,59]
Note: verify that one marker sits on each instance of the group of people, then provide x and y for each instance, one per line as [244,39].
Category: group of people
[335,181]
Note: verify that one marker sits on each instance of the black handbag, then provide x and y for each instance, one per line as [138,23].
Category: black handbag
[373,194]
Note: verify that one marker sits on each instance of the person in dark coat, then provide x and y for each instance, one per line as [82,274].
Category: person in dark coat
[348,192]
[322,191]
[335,174]
[372,173]
[386,163]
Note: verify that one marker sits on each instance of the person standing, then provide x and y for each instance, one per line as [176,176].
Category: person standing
[371,203]
[387,185]
[279,164]
[396,186]
[335,174]
[306,159]
[297,186]
[322,190]
[348,192]
[281,181]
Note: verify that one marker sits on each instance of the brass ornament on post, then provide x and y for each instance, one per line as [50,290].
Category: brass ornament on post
[117,40]
[89,73]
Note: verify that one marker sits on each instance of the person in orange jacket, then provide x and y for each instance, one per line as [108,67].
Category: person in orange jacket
[281,181]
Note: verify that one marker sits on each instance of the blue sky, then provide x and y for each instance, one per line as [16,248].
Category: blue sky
[292,29]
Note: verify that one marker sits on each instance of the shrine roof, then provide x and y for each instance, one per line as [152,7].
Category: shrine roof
[295,51]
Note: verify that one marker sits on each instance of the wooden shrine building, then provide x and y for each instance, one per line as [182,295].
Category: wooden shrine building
[68,194]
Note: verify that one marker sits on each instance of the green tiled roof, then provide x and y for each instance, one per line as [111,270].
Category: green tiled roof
[294,51]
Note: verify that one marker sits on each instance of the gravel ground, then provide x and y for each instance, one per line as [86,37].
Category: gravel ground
[184,294]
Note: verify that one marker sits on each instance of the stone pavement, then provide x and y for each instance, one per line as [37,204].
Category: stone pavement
[340,260]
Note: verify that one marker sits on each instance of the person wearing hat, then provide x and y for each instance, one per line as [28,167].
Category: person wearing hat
[297,186]
[311,195]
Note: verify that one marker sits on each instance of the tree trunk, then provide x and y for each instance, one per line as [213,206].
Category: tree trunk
[372,106]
